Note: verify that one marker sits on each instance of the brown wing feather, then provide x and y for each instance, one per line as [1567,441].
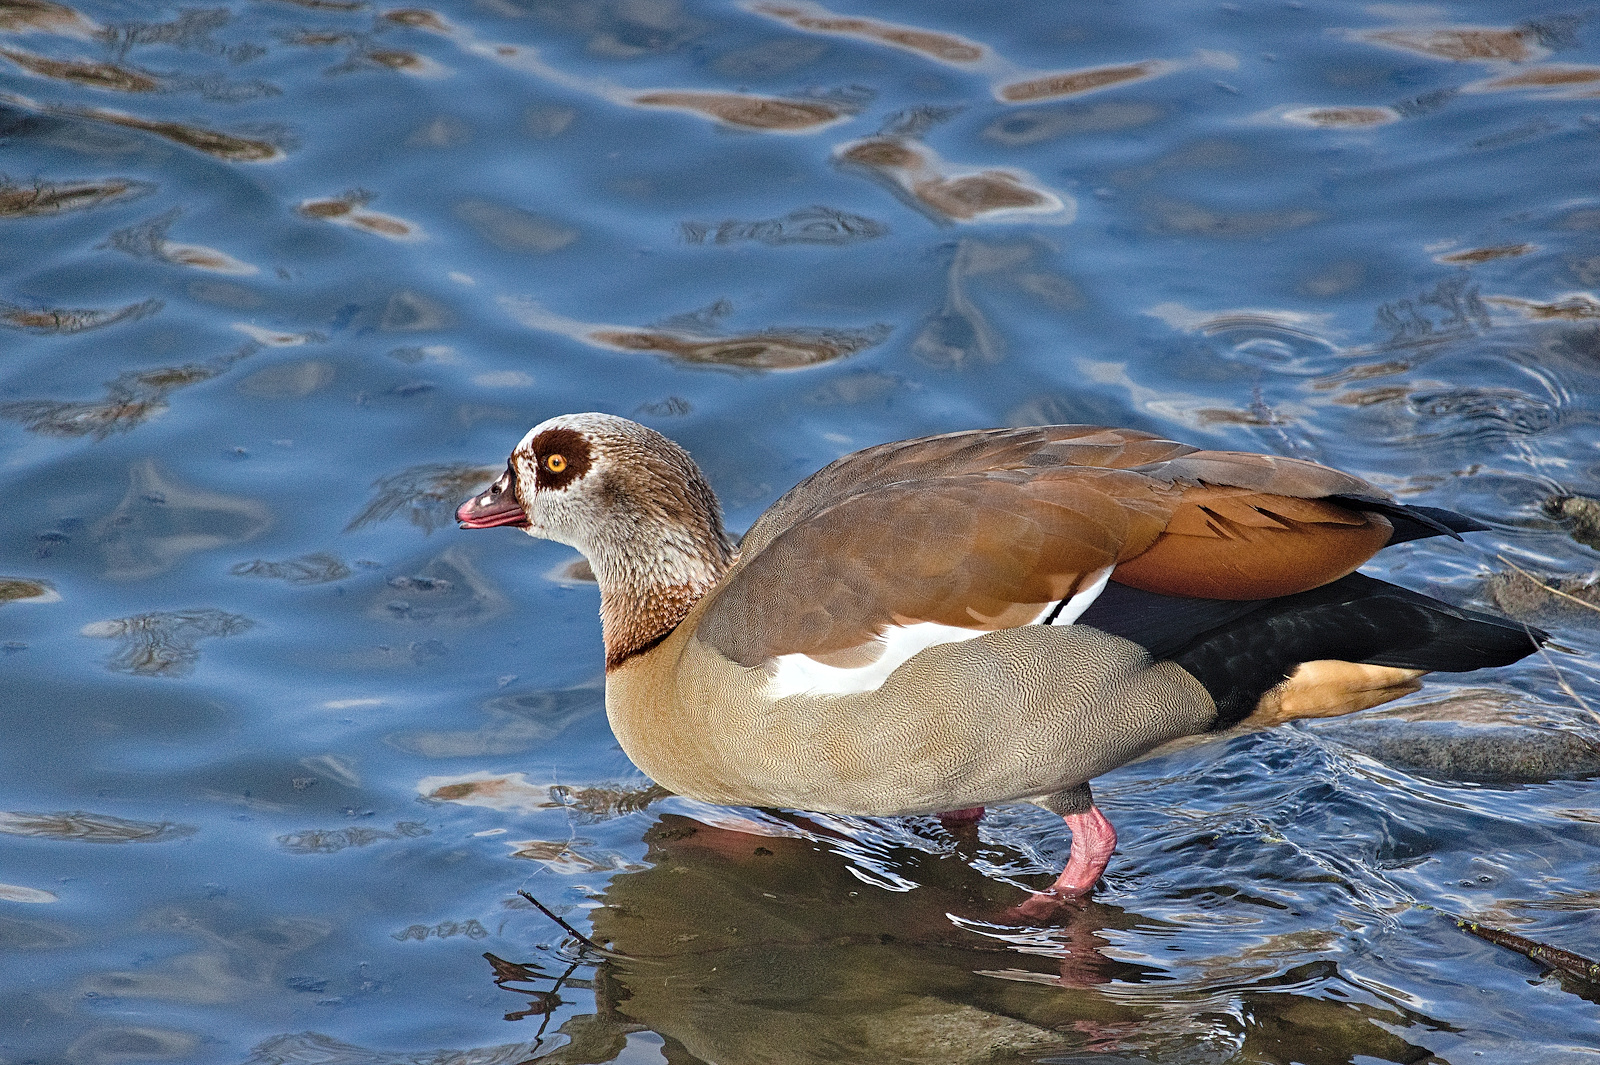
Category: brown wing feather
[954,454]
[982,551]
[983,529]
[1254,527]
[1232,543]
[1267,474]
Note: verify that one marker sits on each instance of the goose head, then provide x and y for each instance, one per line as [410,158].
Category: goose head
[631,501]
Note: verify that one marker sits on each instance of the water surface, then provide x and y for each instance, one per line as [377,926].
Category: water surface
[280,282]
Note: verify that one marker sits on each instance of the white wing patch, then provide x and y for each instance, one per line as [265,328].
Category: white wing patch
[801,674]
[1074,607]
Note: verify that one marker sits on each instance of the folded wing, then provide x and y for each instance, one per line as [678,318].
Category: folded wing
[986,530]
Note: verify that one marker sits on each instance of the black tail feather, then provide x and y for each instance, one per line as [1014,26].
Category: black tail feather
[1414,522]
[1240,650]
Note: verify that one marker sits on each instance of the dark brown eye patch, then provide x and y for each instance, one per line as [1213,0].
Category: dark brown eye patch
[561,456]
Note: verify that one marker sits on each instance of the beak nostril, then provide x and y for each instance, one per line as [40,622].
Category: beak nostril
[495,506]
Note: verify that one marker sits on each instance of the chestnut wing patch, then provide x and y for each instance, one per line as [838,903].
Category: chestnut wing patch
[976,551]
[1256,527]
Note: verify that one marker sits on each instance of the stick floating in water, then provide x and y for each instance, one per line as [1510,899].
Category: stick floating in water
[1562,960]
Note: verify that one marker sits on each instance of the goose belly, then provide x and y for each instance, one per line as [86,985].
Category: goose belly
[1005,716]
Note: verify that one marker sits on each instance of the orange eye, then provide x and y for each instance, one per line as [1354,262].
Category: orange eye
[555,463]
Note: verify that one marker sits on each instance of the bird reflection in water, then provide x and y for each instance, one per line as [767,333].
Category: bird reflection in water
[763,942]
[749,941]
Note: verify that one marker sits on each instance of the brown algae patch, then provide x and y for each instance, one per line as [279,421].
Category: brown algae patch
[1473,256]
[222,145]
[46,197]
[349,210]
[513,792]
[770,350]
[84,827]
[418,18]
[401,60]
[1547,77]
[328,208]
[1530,597]
[1073,82]
[21,589]
[322,39]
[1371,397]
[24,16]
[768,113]
[965,198]
[131,399]
[882,154]
[65,320]
[944,47]
[202,258]
[1342,117]
[1228,416]
[1461,43]
[327,5]
[949,193]
[1364,372]
[97,75]
[98,420]
[1581,515]
[1574,307]
[1552,81]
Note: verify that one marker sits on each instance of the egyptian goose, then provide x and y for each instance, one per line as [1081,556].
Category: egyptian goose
[936,625]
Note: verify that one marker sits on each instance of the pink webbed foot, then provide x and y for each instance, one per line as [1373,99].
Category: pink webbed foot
[1093,840]
[970,816]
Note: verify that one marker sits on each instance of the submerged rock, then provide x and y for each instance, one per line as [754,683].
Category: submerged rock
[1581,516]
[1550,600]
[1478,735]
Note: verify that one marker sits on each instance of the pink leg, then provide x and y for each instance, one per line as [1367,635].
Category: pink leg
[1093,840]
[970,816]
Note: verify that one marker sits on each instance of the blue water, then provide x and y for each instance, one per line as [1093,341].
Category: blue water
[281,282]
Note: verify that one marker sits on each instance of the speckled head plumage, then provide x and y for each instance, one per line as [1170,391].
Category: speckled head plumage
[632,501]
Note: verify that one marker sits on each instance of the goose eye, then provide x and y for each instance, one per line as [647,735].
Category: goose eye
[555,463]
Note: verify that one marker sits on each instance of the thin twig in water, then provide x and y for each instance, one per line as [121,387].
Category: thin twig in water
[1561,680]
[553,1001]
[543,1002]
[573,932]
[1562,960]
[1543,652]
[1553,591]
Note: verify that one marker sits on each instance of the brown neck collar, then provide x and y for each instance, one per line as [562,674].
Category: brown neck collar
[650,589]
[641,621]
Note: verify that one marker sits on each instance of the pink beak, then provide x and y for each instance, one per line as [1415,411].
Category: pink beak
[497,505]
